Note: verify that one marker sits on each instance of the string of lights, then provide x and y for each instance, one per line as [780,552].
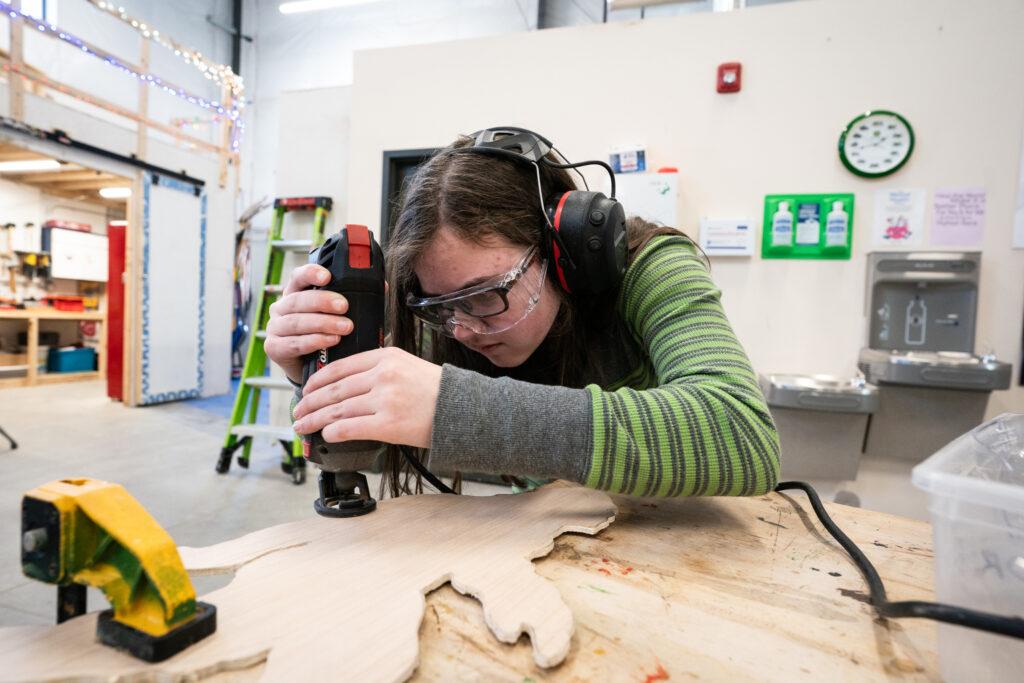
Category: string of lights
[221,74]
[106,106]
[231,112]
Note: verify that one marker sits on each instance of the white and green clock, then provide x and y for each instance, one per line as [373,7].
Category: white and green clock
[876,143]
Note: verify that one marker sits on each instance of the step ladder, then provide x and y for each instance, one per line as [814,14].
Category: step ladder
[254,379]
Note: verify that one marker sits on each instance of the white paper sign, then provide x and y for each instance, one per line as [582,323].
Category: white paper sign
[654,196]
[899,218]
[727,236]
[958,217]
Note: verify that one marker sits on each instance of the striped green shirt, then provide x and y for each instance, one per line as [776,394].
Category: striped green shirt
[689,419]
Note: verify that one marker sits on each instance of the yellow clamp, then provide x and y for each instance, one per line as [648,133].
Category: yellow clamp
[93,532]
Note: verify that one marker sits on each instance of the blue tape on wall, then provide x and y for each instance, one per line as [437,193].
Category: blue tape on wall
[192,392]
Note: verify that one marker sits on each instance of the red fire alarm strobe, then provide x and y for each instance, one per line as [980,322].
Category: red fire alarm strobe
[729,76]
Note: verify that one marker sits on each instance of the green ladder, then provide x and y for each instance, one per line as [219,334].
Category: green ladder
[254,379]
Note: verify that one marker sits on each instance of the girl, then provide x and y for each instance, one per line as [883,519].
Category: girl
[497,365]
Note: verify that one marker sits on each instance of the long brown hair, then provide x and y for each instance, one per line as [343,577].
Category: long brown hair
[480,196]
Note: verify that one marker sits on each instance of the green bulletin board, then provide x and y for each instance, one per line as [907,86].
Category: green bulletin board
[807,226]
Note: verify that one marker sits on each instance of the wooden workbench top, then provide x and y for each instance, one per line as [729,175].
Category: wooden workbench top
[724,589]
[46,313]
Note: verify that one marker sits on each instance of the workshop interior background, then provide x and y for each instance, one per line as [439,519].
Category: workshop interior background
[879,295]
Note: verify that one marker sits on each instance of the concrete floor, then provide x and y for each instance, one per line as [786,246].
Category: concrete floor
[165,456]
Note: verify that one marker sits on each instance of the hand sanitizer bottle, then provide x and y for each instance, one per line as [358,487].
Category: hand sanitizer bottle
[782,226]
[837,226]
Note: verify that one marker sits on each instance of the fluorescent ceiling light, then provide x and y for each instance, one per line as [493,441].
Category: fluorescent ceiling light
[317,5]
[115,192]
[29,165]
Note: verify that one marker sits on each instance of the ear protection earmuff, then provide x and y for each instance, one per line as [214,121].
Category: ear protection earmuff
[585,237]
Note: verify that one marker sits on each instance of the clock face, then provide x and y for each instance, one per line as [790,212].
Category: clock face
[876,144]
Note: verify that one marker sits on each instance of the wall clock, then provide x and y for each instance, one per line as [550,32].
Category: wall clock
[876,143]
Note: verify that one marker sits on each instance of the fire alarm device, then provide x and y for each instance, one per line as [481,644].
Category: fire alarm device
[729,76]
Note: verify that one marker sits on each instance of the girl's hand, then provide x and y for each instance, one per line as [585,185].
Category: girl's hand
[304,320]
[381,395]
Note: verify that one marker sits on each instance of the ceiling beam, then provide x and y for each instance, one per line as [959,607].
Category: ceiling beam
[21,156]
[92,184]
[59,177]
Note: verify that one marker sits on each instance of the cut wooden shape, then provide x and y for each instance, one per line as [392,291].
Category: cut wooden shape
[344,598]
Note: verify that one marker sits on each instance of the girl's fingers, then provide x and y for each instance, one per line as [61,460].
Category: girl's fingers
[342,390]
[284,348]
[366,427]
[310,301]
[358,406]
[343,367]
[309,323]
[304,277]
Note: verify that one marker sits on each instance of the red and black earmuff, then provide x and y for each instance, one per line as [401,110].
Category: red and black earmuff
[586,240]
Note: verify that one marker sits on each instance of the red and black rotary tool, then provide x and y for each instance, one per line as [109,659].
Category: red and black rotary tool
[356,264]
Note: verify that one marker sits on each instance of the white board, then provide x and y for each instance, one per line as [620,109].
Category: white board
[174,268]
[76,255]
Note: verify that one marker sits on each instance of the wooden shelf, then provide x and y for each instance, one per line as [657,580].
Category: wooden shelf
[51,314]
[58,377]
[33,316]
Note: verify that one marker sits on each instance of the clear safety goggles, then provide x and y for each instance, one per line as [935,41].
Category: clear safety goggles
[490,307]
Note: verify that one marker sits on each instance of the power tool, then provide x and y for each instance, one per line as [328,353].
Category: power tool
[356,264]
[86,532]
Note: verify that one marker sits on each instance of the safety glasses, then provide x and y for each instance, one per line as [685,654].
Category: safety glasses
[487,308]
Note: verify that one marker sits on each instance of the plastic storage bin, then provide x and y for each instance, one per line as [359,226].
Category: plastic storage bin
[976,490]
[71,360]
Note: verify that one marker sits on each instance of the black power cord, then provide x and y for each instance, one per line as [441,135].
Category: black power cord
[424,472]
[961,616]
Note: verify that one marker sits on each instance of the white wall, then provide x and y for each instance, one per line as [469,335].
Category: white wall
[955,69]
[315,51]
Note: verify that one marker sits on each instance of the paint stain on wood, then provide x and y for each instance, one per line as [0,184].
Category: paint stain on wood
[834,574]
[659,675]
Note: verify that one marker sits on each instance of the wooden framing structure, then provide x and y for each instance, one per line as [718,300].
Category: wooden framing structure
[21,76]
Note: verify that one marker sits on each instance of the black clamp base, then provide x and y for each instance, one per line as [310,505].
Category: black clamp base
[344,494]
[156,648]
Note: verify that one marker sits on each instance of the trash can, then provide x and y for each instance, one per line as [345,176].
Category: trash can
[976,499]
[821,421]
[928,398]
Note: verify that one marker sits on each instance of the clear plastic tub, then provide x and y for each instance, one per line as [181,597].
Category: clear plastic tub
[976,489]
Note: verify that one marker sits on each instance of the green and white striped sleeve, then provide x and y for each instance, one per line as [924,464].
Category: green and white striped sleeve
[697,424]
